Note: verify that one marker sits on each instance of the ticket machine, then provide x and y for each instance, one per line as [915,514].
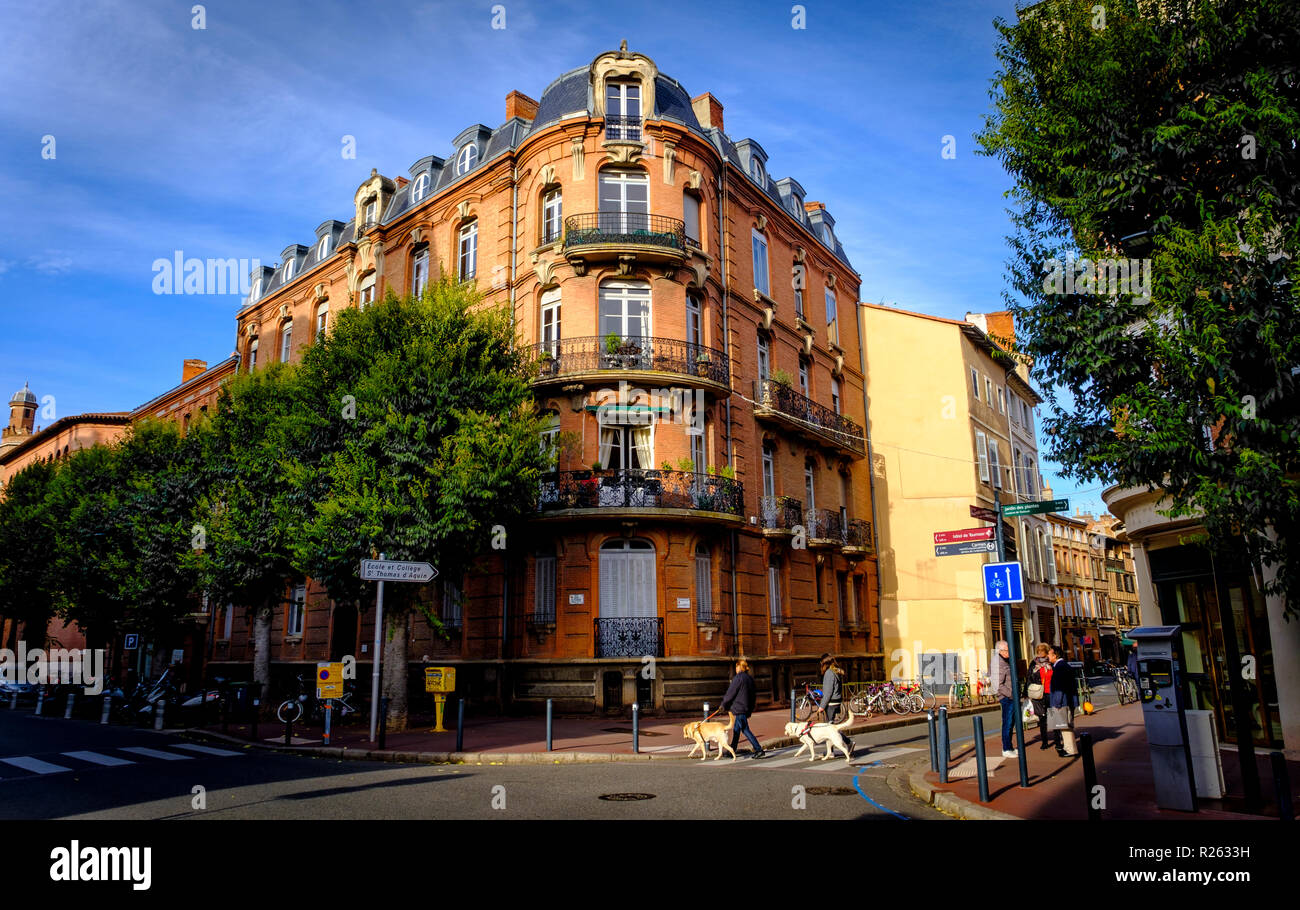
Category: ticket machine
[1162,689]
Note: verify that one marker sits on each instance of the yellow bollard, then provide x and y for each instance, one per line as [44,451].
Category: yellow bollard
[439,702]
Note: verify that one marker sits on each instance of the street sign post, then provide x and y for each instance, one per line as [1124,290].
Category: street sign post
[1013,643]
[329,679]
[1003,583]
[382,570]
[962,549]
[963,535]
[983,514]
[1015,509]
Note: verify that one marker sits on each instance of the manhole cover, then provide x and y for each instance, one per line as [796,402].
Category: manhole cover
[830,791]
[629,730]
[626,797]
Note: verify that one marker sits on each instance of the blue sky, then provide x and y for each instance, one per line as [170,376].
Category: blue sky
[225,142]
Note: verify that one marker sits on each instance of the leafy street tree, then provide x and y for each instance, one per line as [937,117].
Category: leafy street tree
[423,435]
[1163,136]
[28,585]
[248,514]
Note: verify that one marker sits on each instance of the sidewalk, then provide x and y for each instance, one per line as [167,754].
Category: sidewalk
[516,739]
[1056,786]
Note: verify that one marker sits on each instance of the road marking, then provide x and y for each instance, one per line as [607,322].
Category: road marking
[206,750]
[872,756]
[96,758]
[34,764]
[154,753]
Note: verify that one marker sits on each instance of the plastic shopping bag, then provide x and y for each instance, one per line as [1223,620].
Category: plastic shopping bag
[1028,714]
[1058,718]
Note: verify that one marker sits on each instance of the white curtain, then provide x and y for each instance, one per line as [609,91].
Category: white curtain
[607,445]
[643,439]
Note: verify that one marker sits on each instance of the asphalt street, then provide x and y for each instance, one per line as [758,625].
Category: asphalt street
[53,768]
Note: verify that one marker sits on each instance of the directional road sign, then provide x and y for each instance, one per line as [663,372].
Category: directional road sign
[963,535]
[983,514]
[1003,583]
[1012,509]
[391,570]
[961,549]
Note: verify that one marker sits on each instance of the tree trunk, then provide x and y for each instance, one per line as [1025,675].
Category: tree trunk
[395,669]
[262,651]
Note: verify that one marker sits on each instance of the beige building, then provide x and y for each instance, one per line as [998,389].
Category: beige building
[940,397]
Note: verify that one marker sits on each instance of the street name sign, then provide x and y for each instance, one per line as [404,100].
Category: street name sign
[962,549]
[1013,509]
[983,514]
[1003,583]
[392,570]
[964,535]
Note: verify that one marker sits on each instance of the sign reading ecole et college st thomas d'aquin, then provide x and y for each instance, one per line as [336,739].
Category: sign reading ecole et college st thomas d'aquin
[392,570]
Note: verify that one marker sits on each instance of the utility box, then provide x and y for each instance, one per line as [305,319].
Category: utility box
[1161,688]
[440,679]
[1207,763]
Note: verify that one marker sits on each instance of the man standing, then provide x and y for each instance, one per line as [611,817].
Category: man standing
[1062,697]
[740,700]
[1006,695]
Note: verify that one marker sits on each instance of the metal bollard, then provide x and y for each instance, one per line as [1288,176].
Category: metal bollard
[981,763]
[257,709]
[106,710]
[636,728]
[67,712]
[1089,775]
[1282,787]
[460,725]
[288,732]
[706,710]
[792,697]
[383,724]
[329,709]
[943,746]
[40,700]
[158,709]
[934,741]
[550,718]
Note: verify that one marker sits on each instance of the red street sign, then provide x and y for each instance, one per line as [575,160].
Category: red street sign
[983,514]
[964,535]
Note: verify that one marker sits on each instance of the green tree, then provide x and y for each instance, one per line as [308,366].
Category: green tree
[28,586]
[423,435]
[1163,133]
[248,511]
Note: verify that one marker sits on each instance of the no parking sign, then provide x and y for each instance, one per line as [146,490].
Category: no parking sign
[329,680]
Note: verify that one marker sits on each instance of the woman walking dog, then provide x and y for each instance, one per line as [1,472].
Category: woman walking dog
[740,700]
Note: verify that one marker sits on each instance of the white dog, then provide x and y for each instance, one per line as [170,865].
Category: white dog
[814,736]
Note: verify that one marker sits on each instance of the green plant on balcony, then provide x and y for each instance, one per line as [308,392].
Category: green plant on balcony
[702,364]
[666,465]
[782,378]
[613,341]
[686,465]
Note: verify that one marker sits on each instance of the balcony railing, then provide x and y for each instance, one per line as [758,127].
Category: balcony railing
[824,527]
[780,513]
[622,129]
[569,356]
[640,489]
[624,229]
[631,636]
[824,422]
[857,535]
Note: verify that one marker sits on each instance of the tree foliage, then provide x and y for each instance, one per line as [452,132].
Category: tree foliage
[28,584]
[1163,132]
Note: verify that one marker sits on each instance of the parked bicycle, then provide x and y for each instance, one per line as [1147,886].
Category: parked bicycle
[807,703]
[985,694]
[1125,686]
[960,696]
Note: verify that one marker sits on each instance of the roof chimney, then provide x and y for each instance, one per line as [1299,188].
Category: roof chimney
[708,110]
[814,207]
[520,105]
[192,368]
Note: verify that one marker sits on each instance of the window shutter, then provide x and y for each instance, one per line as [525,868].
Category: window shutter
[994,468]
[982,455]
[544,599]
[704,585]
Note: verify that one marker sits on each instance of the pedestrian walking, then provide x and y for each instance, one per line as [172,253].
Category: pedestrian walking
[1132,663]
[740,700]
[1038,683]
[1062,700]
[832,688]
[1000,674]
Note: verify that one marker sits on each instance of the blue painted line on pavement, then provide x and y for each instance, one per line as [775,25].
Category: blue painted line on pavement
[857,787]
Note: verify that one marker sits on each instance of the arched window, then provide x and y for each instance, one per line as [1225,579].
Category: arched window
[552,214]
[759,244]
[627,580]
[624,201]
[466,158]
[549,334]
[703,584]
[691,215]
[467,251]
[256,291]
[419,271]
[775,608]
[288,271]
[419,188]
[322,321]
[550,441]
[366,292]
[286,341]
[252,355]
[323,249]
[625,309]
[623,110]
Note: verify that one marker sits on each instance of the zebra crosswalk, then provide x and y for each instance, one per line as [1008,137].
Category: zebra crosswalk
[786,760]
[19,767]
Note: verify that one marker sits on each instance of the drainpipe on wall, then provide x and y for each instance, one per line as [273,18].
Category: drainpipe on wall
[726,349]
[514,244]
[871,482]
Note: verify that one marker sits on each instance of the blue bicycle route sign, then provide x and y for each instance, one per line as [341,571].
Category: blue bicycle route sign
[1003,583]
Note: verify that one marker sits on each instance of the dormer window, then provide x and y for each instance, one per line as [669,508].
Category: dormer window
[288,270]
[623,111]
[756,171]
[256,291]
[420,188]
[372,211]
[323,249]
[466,158]
[827,237]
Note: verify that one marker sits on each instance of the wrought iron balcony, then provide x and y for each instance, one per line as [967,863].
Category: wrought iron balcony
[637,490]
[622,129]
[630,636]
[570,359]
[780,515]
[627,236]
[824,528]
[782,404]
[858,540]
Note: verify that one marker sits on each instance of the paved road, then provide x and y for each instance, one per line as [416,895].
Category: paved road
[55,768]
